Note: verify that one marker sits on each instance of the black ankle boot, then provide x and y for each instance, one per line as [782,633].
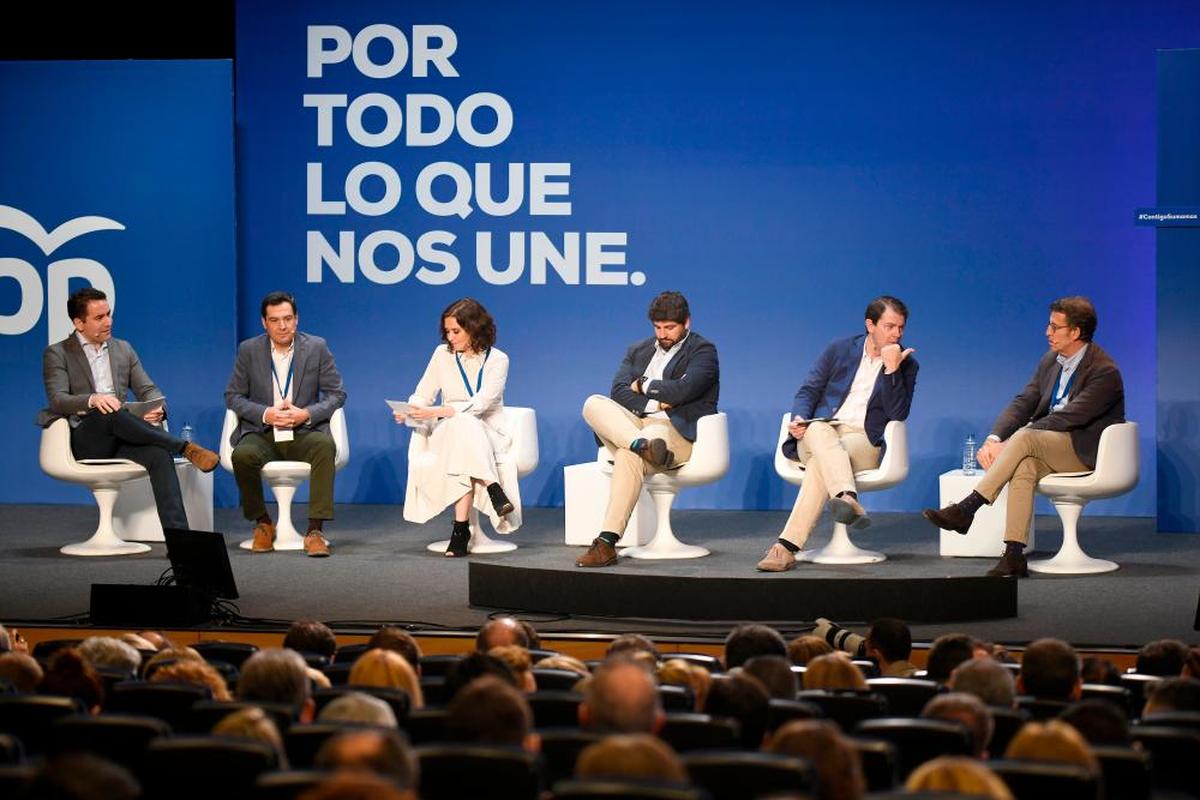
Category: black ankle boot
[500,500]
[460,538]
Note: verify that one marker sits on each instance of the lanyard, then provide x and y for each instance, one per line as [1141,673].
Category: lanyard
[1058,396]
[283,390]
[478,378]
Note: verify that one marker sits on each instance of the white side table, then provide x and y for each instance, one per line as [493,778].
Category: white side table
[585,496]
[135,516]
[986,536]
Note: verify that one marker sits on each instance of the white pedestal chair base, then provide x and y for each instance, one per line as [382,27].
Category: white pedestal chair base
[1070,558]
[480,542]
[104,541]
[284,477]
[664,545]
[840,550]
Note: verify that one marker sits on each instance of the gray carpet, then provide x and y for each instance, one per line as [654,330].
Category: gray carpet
[381,571]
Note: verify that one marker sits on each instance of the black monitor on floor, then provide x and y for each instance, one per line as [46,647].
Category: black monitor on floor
[200,561]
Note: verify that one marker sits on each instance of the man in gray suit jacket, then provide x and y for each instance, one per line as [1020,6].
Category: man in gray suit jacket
[1053,425]
[284,388]
[88,376]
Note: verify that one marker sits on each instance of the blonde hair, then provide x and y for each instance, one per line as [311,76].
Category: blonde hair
[518,660]
[677,672]
[833,671]
[836,759]
[1053,741]
[957,774]
[253,723]
[174,653]
[387,669]
[560,661]
[198,672]
[631,755]
[803,649]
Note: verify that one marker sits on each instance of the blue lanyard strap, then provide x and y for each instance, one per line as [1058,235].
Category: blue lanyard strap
[1065,389]
[478,378]
[283,389]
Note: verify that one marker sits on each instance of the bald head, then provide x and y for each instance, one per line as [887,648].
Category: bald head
[621,698]
[500,632]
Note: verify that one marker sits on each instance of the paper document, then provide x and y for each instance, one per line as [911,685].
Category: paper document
[830,420]
[140,408]
[401,407]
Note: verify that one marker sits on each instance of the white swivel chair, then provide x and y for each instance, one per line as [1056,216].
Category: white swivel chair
[709,462]
[103,476]
[892,469]
[522,455]
[285,476]
[1116,473]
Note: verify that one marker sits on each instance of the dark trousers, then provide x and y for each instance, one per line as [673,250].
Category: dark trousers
[122,435]
[254,450]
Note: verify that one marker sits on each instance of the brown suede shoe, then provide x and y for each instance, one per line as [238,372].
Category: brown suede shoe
[600,554]
[950,518]
[204,459]
[316,545]
[778,559]
[1010,565]
[264,538]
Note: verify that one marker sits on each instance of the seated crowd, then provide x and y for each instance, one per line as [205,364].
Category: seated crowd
[848,713]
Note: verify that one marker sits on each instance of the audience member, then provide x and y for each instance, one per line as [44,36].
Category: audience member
[987,680]
[197,672]
[277,675]
[621,698]
[967,710]
[533,640]
[254,723]
[155,638]
[834,671]
[389,637]
[310,636]
[1100,722]
[519,662]
[490,711]
[563,662]
[741,698]
[499,632]
[889,642]
[168,655]
[475,665]
[958,774]
[1050,671]
[775,674]
[946,653]
[629,645]
[109,654]
[379,752]
[21,671]
[803,649]
[359,708]
[1164,658]
[747,641]
[833,756]
[1173,694]
[631,756]
[81,776]
[1053,741]
[69,674]
[1191,667]
[677,672]
[138,642]
[1094,669]
[12,641]
[387,669]
[356,786]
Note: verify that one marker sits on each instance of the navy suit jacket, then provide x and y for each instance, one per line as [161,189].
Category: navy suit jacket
[690,383]
[828,383]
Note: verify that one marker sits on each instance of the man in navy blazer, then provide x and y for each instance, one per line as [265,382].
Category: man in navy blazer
[284,388]
[648,421]
[859,384]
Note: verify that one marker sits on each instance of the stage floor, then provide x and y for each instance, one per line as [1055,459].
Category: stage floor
[381,572]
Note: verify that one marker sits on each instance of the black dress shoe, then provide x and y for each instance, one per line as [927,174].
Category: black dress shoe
[1010,565]
[500,500]
[459,540]
[950,518]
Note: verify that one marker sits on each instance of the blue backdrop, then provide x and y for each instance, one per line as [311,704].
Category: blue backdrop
[147,146]
[780,164]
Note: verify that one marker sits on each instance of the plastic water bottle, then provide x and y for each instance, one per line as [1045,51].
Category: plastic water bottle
[969,456]
[186,433]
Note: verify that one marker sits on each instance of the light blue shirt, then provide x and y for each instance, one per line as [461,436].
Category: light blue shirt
[1068,364]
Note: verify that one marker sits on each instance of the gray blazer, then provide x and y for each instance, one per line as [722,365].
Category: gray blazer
[316,384]
[68,379]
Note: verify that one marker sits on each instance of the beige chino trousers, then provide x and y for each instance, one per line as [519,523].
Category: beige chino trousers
[831,454]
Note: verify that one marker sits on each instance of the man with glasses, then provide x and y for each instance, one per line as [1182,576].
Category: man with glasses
[1053,425]
[284,388]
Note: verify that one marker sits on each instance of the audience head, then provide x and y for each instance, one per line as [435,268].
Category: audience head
[5,640]
[387,669]
[741,698]
[383,753]
[310,636]
[1191,667]
[1164,658]
[964,776]
[988,680]
[629,645]
[946,653]
[1050,671]
[1094,669]
[276,675]
[1053,741]
[475,665]
[155,638]
[356,786]
[621,698]
[519,662]
[108,653]
[82,776]
[833,671]
[138,642]
[967,710]
[499,632]
[747,641]
[636,756]
[490,711]
[531,634]
[359,708]
[389,637]
[169,655]
[889,640]
[569,663]
[20,671]
[803,649]
[1100,722]
[68,673]
[775,674]
[1172,694]
[836,760]
[197,672]
[677,672]
[254,723]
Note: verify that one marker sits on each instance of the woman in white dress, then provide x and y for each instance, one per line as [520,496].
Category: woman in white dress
[465,432]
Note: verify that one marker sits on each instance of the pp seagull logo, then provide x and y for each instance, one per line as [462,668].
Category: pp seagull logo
[58,273]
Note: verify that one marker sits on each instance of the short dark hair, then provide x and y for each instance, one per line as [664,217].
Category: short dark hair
[1049,669]
[489,710]
[77,303]
[1080,313]
[1102,723]
[891,637]
[629,643]
[274,299]
[474,319]
[389,637]
[1163,657]
[946,653]
[669,307]
[475,665]
[876,307]
[743,698]
[1174,694]
[747,641]
[310,636]
[775,674]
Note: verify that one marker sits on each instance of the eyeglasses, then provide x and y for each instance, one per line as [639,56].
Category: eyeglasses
[1052,328]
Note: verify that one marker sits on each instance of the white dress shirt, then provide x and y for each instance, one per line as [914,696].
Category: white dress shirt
[654,372]
[100,364]
[853,410]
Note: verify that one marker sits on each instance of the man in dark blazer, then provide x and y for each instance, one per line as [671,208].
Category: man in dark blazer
[648,421]
[284,388]
[859,384]
[1053,425]
[88,377]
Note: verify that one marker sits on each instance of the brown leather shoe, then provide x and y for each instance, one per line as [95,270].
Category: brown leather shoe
[1010,565]
[204,459]
[316,545]
[778,559]
[950,518]
[600,554]
[264,538]
[655,452]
